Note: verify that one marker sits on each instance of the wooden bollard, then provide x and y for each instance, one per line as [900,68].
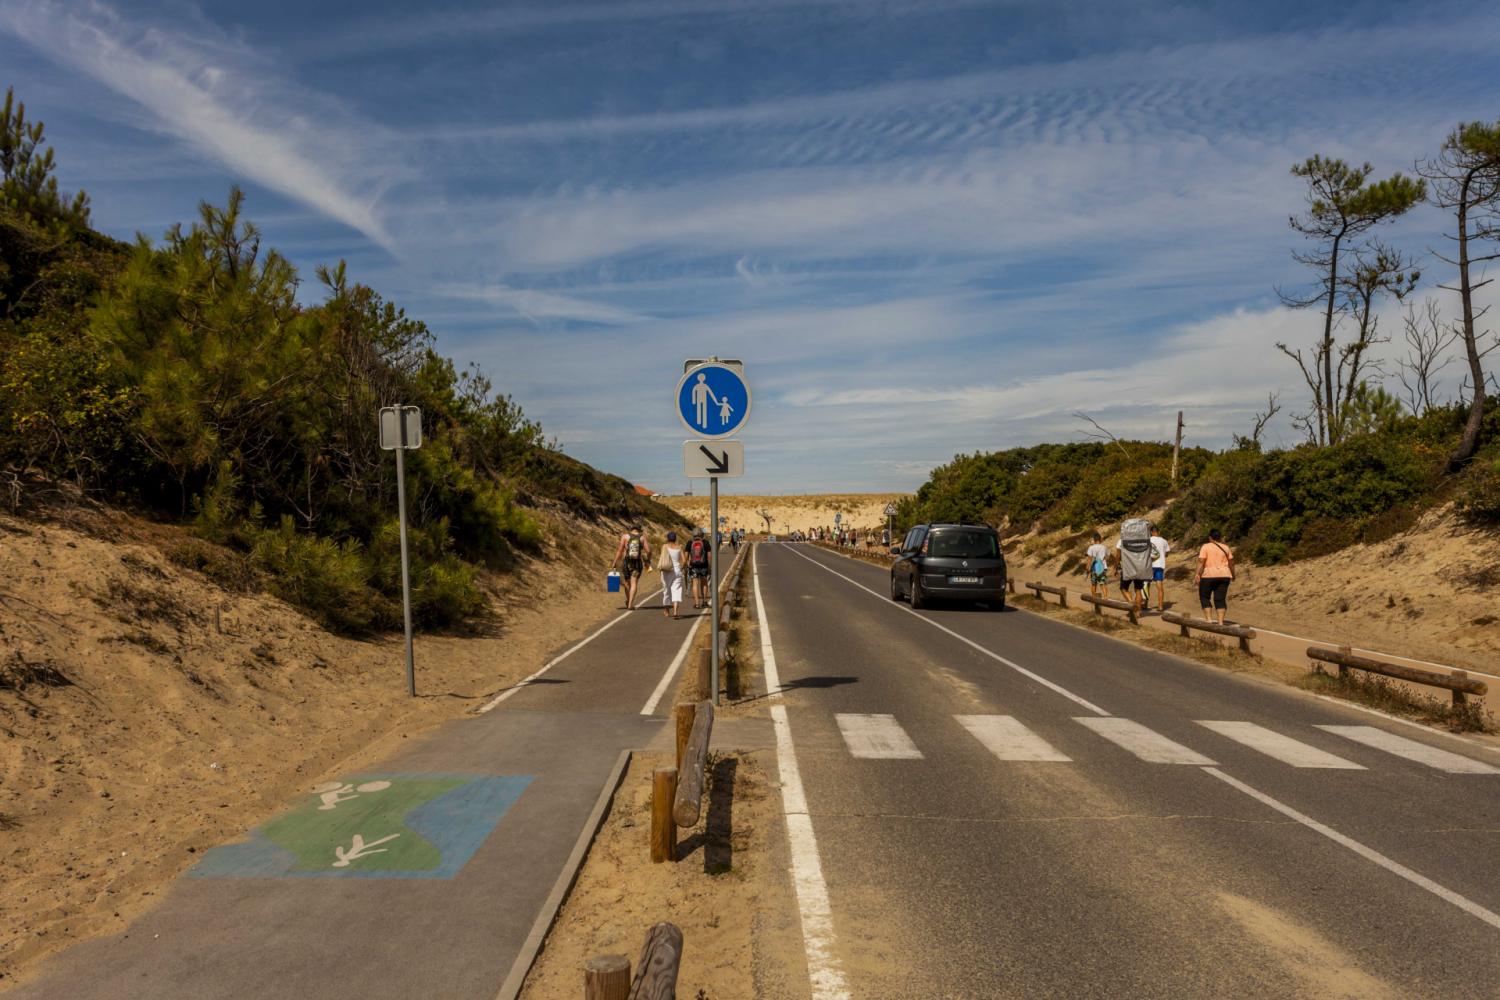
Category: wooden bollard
[661,958]
[1062,596]
[705,675]
[606,977]
[685,716]
[1344,668]
[1458,696]
[663,829]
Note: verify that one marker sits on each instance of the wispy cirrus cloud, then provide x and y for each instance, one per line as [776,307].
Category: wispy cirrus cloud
[221,99]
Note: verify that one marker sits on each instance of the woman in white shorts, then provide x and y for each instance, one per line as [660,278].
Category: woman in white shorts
[672,572]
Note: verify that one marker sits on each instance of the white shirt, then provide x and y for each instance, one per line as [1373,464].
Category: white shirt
[1160,548]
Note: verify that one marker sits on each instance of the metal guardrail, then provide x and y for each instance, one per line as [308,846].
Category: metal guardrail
[1457,681]
[1100,603]
[1038,589]
[1184,622]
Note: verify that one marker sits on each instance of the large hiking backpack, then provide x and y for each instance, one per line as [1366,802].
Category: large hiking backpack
[633,547]
[698,553]
[1135,549]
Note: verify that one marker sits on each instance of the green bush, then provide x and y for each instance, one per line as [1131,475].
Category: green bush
[1479,499]
[329,580]
[443,588]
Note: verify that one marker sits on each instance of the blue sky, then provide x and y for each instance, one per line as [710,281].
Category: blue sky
[927,227]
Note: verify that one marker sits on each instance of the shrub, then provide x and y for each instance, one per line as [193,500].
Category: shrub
[1479,499]
[443,588]
[327,579]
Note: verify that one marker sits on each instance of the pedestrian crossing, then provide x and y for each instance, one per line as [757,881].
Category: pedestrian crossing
[1007,738]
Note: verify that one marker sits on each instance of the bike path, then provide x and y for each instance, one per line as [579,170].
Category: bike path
[422,875]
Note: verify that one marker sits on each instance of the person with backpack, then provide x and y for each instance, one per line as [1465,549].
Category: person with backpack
[1096,566]
[632,556]
[698,561]
[1215,570]
[1134,548]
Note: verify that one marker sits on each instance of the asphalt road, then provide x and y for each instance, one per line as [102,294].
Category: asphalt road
[1006,806]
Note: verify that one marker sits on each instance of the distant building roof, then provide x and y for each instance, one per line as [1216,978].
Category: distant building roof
[643,491]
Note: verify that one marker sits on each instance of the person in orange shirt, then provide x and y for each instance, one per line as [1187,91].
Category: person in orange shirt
[1215,570]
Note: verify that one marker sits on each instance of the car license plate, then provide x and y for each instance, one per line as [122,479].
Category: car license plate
[963,579]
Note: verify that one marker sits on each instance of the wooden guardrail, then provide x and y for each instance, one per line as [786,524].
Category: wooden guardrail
[677,792]
[1185,622]
[1038,589]
[1457,681]
[1100,603]
[607,977]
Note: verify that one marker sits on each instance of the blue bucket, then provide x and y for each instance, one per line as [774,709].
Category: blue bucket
[612,582]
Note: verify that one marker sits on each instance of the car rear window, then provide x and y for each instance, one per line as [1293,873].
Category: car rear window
[963,545]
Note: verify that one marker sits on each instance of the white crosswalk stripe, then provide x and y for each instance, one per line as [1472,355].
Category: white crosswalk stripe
[1411,750]
[1149,745]
[1007,739]
[878,737]
[1283,748]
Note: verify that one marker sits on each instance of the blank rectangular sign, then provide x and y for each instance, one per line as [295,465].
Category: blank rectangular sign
[390,429]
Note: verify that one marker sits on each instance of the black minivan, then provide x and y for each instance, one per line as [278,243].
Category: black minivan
[958,561]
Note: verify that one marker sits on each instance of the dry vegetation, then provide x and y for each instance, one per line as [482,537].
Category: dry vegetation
[790,513]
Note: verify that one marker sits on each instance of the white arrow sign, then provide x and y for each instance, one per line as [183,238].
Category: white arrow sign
[711,459]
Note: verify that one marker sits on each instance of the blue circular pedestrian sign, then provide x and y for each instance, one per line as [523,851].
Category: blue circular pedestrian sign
[713,400]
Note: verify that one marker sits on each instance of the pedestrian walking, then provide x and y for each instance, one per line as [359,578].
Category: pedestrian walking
[698,561]
[632,556]
[1096,565]
[1159,550]
[1134,548]
[671,566]
[1215,571]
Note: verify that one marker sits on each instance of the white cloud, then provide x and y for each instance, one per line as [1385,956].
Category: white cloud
[200,90]
[536,305]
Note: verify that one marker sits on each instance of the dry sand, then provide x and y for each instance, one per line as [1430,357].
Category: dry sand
[790,513]
[148,714]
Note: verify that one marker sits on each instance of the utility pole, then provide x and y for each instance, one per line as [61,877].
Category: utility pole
[1176,449]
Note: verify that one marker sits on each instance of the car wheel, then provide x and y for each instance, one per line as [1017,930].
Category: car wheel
[895,590]
[918,599]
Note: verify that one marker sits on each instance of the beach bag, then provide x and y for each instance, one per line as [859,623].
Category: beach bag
[665,562]
[1135,549]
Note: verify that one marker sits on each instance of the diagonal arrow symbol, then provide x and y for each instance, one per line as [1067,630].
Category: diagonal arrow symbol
[719,464]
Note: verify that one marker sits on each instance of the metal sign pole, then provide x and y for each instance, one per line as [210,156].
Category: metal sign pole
[411,672]
[713,542]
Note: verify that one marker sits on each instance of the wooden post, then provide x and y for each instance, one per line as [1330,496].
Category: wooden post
[685,716]
[1062,595]
[656,972]
[663,830]
[606,977]
[689,801]
[1458,696]
[705,669]
[1343,667]
[1098,609]
[1176,448]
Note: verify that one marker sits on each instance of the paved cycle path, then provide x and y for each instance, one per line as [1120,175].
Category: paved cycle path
[420,876]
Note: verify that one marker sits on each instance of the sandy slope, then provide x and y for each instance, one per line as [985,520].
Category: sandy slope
[790,513]
[147,714]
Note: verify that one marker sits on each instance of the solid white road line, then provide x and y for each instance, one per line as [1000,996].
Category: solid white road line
[666,678]
[876,737]
[1283,748]
[1442,760]
[1007,739]
[557,659]
[825,975]
[1044,682]
[1147,744]
[1369,854]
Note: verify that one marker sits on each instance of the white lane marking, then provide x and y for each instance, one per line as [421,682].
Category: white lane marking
[1369,854]
[557,659]
[876,737]
[1147,744]
[1044,682]
[1007,739]
[825,975]
[1345,703]
[666,678]
[1283,748]
[1442,760]
[767,654]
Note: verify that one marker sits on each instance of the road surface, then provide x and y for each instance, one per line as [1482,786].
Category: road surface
[1007,806]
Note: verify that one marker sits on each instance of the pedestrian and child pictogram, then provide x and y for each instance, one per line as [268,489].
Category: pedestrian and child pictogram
[713,400]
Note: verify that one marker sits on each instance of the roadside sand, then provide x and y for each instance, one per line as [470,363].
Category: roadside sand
[790,513]
[148,714]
